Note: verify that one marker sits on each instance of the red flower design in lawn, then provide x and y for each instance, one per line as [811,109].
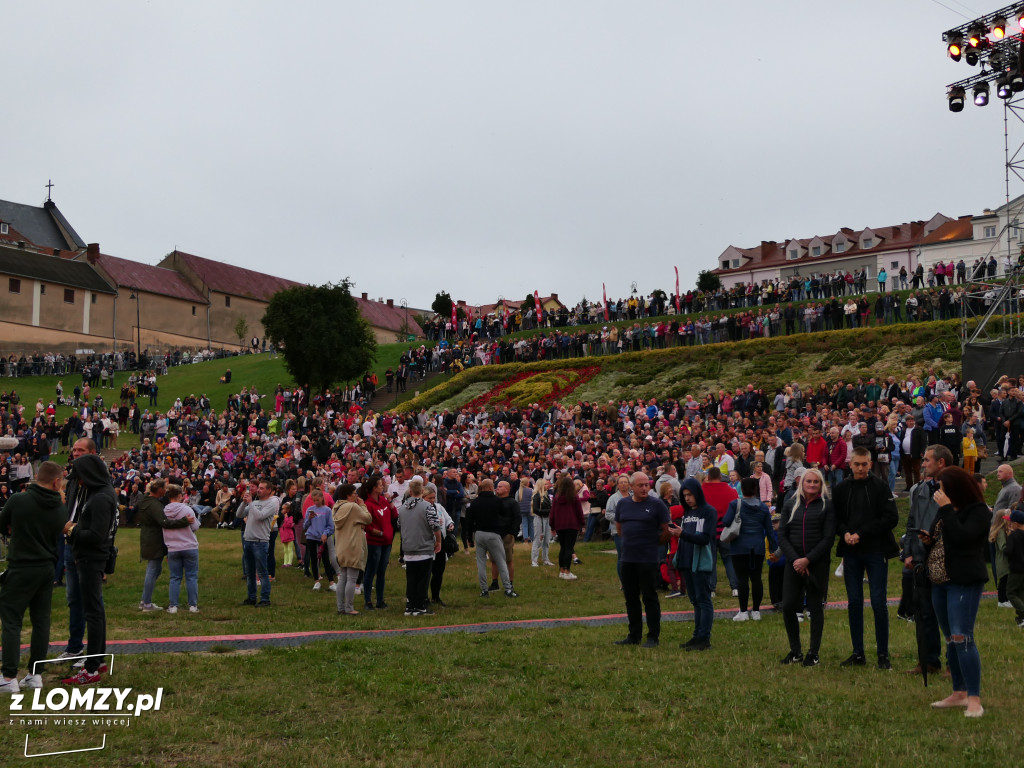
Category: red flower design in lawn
[542,387]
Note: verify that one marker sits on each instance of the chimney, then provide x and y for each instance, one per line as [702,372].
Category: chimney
[364,295]
[56,252]
[21,244]
[460,303]
[391,302]
[554,297]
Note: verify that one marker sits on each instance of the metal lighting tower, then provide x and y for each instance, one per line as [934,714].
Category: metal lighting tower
[996,342]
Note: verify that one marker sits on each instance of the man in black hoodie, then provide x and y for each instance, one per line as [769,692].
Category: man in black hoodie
[91,534]
[33,520]
[866,515]
[74,495]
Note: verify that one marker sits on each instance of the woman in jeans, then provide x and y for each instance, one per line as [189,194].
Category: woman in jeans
[540,508]
[380,533]
[748,548]
[182,551]
[566,520]
[806,535]
[964,519]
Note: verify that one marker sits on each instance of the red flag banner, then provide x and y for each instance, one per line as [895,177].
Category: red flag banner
[455,321]
[540,309]
[677,290]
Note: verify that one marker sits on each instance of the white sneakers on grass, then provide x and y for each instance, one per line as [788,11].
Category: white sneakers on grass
[740,616]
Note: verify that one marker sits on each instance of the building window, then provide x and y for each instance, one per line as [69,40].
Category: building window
[193,311]
[794,253]
[839,247]
[69,295]
[894,264]
[4,229]
[816,250]
[990,231]
[869,242]
[14,285]
[725,265]
[42,289]
[227,301]
[735,263]
[92,298]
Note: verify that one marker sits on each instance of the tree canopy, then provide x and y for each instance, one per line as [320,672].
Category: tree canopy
[708,281]
[442,304]
[321,334]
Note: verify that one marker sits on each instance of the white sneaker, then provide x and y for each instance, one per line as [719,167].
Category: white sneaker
[735,593]
[755,615]
[547,562]
[69,655]
[570,576]
[193,609]
[740,616]
[316,586]
[333,587]
[1004,604]
[359,589]
[151,607]
[9,686]
[535,564]
[172,609]
[839,571]
[31,681]
[800,617]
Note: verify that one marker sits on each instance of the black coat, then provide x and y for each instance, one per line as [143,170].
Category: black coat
[965,538]
[865,507]
[918,442]
[807,530]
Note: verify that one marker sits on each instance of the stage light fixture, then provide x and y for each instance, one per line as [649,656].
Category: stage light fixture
[956,99]
[1003,89]
[956,47]
[972,57]
[999,28]
[1016,81]
[981,94]
[1020,19]
[975,36]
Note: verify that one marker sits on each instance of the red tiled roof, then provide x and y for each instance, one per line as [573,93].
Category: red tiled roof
[961,229]
[143,277]
[774,254]
[237,281]
[380,315]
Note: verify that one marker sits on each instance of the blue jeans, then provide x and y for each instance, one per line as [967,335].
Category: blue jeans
[592,521]
[527,526]
[153,569]
[722,548]
[187,561]
[698,588]
[956,608]
[73,594]
[893,471]
[254,558]
[855,565]
[377,558]
[200,510]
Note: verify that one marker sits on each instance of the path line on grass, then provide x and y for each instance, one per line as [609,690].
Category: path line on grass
[287,639]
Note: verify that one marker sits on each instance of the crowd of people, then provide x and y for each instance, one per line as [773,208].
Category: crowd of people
[333,482]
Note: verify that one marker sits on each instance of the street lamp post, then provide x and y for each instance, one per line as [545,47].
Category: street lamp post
[138,329]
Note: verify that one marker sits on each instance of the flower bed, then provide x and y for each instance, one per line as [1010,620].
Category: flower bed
[541,387]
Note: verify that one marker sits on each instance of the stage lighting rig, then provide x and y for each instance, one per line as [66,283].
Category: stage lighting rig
[956,99]
[988,44]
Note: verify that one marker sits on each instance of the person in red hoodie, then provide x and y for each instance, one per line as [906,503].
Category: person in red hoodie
[817,449]
[835,465]
[719,495]
[380,533]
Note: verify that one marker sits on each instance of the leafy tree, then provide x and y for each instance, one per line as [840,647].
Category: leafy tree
[241,329]
[442,304]
[708,281]
[323,337]
[531,303]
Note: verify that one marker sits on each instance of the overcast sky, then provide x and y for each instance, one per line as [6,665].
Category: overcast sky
[488,148]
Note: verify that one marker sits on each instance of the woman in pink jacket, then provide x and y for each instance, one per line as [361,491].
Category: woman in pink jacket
[182,551]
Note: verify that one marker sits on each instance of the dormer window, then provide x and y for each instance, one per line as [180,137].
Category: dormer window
[735,263]
[869,242]
[725,264]
[839,247]
[794,253]
[816,250]
[4,229]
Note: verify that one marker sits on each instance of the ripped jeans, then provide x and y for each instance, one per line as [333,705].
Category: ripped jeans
[956,608]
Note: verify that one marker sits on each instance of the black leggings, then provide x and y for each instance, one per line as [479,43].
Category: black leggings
[437,575]
[794,586]
[566,545]
[748,574]
[322,553]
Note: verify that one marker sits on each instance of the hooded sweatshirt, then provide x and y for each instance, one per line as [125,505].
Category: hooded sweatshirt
[96,509]
[34,519]
[698,525]
[350,519]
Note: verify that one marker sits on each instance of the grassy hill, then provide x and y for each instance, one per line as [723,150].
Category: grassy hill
[899,350]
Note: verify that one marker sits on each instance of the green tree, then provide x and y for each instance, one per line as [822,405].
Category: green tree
[241,329]
[323,337]
[442,304]
[708,281]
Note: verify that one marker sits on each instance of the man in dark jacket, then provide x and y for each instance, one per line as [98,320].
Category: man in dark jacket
[91,533]
[34,521]
[511,520]
[866,516]
[486,518]
[74,495]
[152,520]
